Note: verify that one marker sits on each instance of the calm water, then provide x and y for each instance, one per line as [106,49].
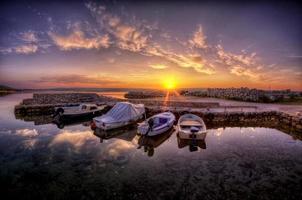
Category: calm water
[43,161]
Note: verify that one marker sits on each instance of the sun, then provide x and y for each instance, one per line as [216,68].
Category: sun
[169,83]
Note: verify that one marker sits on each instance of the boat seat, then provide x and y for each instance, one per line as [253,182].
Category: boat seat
[190,123]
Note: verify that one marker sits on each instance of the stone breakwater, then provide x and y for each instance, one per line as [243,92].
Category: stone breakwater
[269,119]
[186,104]
[44,104]
[61,98]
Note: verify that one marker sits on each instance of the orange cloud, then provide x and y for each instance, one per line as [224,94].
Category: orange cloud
[199,39]
[77,40]
[241,71]
[158,66]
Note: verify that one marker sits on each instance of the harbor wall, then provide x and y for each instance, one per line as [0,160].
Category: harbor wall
[269,119]
[186,104]
[61,98]
[44,104]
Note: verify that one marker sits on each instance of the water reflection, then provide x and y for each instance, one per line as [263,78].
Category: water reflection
[71,163]
[26,132]
[126,133]
[76,139]
[192,144]
[63,123]
[150,143]
[118,152]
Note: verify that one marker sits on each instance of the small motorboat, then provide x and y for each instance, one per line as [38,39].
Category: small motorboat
[157,124]
[191,126]
[122,114]
[83,110]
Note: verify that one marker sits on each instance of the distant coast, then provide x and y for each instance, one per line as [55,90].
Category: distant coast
[5,90]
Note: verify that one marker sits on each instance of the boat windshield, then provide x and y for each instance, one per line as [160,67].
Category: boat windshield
[93,108]
[184,127]
[159,121]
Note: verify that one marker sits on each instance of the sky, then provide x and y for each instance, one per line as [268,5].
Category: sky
[144,44]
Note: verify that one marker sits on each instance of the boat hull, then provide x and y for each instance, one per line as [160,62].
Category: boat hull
[82,115]
[115,125]
[189,136]
[157,131]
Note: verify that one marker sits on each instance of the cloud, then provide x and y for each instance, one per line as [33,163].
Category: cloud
[27,132]
[240,64]
[117,148]
[76,78]
[77,40]
[29,36]
[128,36]
[26,49]
[242,71]
[111,60]
[158,66]
[77,139]
[137,36]
[231,59]
[21,49]
[27,43]
[194,61]
[199,39]
[197,54]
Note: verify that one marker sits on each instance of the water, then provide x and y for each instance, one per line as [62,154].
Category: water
[120,95]
[43,161]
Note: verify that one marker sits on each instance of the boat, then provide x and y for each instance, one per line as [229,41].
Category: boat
[191,126]
[80,111]
[122,114]
[157,124]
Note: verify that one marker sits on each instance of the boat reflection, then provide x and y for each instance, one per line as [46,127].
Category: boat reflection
[151,142]
[62,123]
[193,144]
[126,133]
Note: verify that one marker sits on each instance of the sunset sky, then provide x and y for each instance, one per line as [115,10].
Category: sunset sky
[140,45]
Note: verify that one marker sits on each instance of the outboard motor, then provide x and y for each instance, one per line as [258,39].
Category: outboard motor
[194,130]
[57,115]
[59,111]
[193,144]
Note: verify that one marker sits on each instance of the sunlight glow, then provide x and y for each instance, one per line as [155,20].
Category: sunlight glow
[170,83]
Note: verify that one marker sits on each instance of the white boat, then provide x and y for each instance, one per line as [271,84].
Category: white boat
[122,114]
[191,126]
[83,110]
[157,124]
